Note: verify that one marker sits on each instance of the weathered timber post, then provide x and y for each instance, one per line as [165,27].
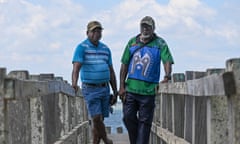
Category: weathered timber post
[216,115]
[3,72]
[233,65]
[40,109]
[2,106]
[215,71]
[119,130]
[156,119]
[20,74]
[178,103]
[193,112]
[166,114]
[45,77]
[17,108]
[178,77]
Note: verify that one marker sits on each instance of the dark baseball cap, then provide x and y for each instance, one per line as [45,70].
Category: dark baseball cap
[149,21]
[94,24]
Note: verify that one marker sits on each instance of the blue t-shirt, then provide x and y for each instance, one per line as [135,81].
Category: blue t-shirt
[95,62]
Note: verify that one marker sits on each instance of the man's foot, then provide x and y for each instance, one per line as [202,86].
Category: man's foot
[109,141]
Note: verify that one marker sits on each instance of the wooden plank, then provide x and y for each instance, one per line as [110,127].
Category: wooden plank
[233,65]
[188,118]
[179,101]
[201,120]
[164,111]
[217,120]
[167,136]
[169,113]
[212,85]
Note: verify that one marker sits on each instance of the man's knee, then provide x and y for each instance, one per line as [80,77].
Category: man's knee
[97,118]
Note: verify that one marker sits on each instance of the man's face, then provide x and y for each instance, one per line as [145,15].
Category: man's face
[95,35]
[146,30]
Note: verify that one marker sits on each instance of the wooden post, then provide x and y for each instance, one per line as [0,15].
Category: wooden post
[108,129]
[2,76]
[178,108]
[217,115]
[233,65]
[119,130]
[19,74]
[192,107]
[45,77]
[178,77]
[2,107]
[157,118]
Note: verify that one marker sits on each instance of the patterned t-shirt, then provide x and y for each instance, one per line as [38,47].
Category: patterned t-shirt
[140,86]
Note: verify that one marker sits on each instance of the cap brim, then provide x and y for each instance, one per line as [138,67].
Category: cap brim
[146,22]
[97,26]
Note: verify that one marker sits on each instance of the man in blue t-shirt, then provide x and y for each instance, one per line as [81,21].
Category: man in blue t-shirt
[93,60]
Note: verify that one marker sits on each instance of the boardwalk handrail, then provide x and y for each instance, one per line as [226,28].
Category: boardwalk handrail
[40,109]
[199,107]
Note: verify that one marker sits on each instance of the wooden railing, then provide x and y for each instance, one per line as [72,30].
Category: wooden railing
[195,108]
[40,109]
[199,107]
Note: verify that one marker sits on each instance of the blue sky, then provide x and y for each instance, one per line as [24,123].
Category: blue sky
[41,35]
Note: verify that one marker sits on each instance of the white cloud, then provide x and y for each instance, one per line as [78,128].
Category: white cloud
[3,1]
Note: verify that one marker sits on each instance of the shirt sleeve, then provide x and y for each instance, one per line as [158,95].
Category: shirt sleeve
[166,55]
[126,55]
[110,58]
[78,54]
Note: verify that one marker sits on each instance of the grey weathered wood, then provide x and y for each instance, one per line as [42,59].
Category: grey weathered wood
[178,77]
[211,106]
[46,76]
[233,65]
[164,112]
[189,102]
[201,120]
[217,113]
[2,77]
[3,72]
[179,112]
[215,71]
[169,113]
[178,108]
[167,136]
[40,112]
[212,85]
[190,75]
[19,74]
[217,120]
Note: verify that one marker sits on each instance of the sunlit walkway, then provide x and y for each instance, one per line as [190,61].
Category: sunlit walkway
[118,138]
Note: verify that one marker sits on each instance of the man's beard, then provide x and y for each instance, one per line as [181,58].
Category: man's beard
[143,36]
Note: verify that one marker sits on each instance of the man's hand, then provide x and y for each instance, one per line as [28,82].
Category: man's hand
[166,79]
[75,87]
[122,95]
[113,98]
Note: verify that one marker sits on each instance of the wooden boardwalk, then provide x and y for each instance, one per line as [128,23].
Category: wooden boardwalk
[118,138]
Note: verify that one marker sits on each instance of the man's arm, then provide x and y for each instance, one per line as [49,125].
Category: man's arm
[113,83]
[113,80]
[75,74]
[123,75]
[168,71]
